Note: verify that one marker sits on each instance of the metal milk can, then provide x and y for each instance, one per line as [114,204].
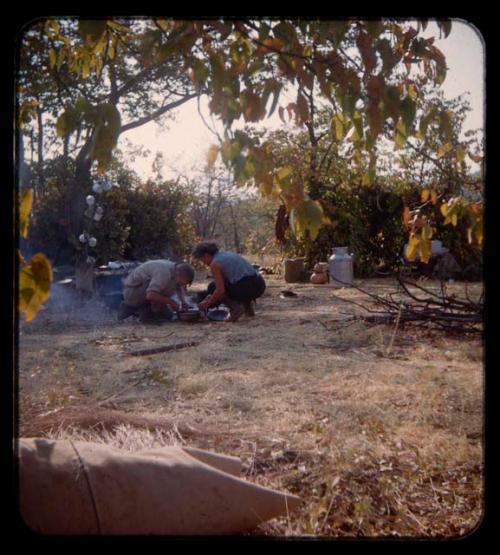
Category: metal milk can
[341,267]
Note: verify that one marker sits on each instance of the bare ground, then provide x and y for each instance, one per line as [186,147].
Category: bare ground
[377,441]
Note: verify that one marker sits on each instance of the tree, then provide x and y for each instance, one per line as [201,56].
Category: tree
[363,68]
[372,73]
[99,74]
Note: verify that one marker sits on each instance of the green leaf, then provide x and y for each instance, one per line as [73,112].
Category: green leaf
[401,135]
[200,72]
[285,31]
[302,107]
[276,93]
[461,152]
[339,29]
[338,127]
[368,177]
[67,122]
[392,102]
[308,216]
[91,29]
[357,120]
[445,124]
[106,135]
[374,28]
[408,111]
[82,105]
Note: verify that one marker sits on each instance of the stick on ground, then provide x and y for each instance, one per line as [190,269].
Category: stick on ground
[163,349]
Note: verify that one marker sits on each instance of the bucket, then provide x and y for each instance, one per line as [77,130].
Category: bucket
[294,269]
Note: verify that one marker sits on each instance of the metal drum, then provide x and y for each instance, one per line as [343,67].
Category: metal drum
[341,267]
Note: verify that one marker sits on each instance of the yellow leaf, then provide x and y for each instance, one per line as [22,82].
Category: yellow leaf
[444,149]
[52,57]
[433,197]
[425,250]
[412,91]
[412,247]
[213,152]
[34,285]
[454,220]
[444,209]
[85,69]
[425,195]
[24,211]
[283,173]
[426,232]
[460,153]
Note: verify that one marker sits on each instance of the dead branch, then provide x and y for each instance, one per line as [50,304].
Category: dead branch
[440,310]
[163,349]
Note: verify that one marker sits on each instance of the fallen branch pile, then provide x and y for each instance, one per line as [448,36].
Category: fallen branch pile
[443,310]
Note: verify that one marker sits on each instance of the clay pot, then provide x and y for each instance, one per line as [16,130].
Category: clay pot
[319,278]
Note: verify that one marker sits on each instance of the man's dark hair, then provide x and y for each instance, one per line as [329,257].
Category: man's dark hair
[185,270]
[205,248]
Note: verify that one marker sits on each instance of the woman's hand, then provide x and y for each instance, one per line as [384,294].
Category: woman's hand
[204,305]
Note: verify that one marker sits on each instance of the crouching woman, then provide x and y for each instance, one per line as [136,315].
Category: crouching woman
[236,282]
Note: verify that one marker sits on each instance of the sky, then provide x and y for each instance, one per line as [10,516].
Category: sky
[185,140]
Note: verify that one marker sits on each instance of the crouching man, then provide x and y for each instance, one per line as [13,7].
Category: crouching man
[149,288]
[236,282]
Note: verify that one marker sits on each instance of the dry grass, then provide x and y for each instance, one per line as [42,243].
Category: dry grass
[376,443]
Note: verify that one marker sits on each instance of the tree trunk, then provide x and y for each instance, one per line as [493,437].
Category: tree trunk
[237,244]
[40,174]
[77,192]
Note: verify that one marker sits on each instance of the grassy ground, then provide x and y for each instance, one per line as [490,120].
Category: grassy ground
[377,442]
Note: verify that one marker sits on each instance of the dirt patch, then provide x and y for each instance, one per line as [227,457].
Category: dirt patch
[377,443]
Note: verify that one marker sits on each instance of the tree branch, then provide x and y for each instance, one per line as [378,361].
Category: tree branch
[156,114]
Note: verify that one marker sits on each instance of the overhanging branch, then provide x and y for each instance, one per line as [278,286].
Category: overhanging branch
[158,113]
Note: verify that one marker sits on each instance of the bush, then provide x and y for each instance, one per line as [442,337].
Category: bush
[159,221]
[139,221]
[366,220]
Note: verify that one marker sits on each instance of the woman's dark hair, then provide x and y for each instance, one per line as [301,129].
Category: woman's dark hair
[205,248]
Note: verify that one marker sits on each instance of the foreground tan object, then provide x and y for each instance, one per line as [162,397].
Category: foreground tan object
[78,487]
